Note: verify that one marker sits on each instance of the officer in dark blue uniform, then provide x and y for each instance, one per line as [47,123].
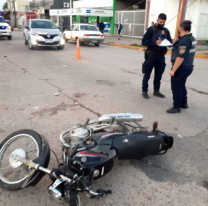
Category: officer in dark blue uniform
[182,59]
[155,55]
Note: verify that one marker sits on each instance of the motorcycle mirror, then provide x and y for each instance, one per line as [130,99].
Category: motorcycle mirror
[155,125]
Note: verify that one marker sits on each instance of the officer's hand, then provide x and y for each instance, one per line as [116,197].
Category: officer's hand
[171,73]
[158,42]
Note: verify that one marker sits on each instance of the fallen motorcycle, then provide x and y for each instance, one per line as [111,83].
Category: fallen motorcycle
[88,153]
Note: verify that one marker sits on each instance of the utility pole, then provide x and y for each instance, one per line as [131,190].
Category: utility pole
[15,17]
[177,22]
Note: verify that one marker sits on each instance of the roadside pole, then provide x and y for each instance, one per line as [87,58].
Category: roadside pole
[177,22]
[112,24]
[183,9]
[15,17]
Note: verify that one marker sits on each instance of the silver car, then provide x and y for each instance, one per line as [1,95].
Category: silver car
[42,32]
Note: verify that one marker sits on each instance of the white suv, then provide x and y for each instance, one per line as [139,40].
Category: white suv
[5,29]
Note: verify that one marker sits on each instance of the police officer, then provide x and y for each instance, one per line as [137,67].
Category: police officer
[155,55]
[182,59]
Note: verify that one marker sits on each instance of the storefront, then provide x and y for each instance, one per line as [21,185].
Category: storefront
[84,15]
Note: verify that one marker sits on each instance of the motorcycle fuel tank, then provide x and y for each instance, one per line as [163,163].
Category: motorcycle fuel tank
[101,158]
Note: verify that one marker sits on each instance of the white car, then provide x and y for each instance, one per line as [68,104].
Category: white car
[5,29]
[86,33]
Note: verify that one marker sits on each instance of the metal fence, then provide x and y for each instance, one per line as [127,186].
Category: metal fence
[133,22]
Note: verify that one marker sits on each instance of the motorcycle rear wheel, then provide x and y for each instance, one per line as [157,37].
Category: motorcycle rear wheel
[24,143]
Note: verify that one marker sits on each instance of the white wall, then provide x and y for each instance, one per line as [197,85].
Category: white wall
[192,14]
[156,7]
[170,8]
[202,32]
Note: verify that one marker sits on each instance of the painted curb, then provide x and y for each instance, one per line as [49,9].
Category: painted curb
[204,56]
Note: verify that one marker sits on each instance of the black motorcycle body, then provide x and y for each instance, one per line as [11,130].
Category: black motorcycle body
[88,153]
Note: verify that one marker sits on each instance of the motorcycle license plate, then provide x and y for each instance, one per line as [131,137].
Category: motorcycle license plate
[48,41]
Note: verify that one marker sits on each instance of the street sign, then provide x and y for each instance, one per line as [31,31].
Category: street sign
[81,12]
[93,4]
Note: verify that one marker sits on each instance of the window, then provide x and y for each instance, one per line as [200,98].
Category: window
[88,28]
[75,28]
[1,19]
[43,25]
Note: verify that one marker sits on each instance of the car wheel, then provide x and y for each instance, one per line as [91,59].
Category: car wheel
[97,44]
[60,47]
[30,46]
[9,37]
[26,42]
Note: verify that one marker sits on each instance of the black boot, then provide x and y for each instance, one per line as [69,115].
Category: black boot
[174,110]
[145,95]
[158,94]
[185,106]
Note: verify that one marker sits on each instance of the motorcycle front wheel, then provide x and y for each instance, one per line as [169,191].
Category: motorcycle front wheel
[23,143]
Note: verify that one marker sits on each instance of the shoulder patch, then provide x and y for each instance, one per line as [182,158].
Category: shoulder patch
[182,50]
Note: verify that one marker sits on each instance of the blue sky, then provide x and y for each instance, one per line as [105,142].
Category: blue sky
[1,4]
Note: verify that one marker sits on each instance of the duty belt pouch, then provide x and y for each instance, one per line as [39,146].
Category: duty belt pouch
[143,69]
[146,53]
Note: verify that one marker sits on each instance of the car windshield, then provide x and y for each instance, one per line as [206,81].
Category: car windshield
[88,28]
[1,19]
[43,25]
[8,22]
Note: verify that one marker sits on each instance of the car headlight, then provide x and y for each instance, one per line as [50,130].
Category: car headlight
[33,34]
[60,34]
[8,27]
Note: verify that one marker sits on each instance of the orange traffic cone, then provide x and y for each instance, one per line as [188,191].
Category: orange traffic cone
[78,56]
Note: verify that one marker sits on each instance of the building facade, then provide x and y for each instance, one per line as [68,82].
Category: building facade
[196,11]
[18,7]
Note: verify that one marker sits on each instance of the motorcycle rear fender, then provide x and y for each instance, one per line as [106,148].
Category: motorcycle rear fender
[139,144]
[142,144]
[43,160]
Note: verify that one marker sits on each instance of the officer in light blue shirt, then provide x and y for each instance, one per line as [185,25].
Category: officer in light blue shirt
[182,59]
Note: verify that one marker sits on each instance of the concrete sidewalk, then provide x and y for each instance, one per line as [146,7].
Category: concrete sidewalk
[201,49]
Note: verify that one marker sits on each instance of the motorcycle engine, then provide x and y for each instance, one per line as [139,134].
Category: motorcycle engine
[77,136]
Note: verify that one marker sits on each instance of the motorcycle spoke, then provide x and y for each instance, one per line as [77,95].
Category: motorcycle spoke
[5,168]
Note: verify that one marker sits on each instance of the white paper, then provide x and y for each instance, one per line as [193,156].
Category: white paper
[165,43]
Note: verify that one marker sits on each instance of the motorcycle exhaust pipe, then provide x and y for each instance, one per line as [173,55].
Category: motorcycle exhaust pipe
[55,193]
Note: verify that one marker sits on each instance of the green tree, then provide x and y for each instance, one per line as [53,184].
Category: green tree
[5,6]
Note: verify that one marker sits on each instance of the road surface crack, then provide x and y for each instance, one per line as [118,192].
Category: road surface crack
[60,90]
[75,101]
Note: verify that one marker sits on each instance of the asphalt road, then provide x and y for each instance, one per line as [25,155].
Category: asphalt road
[107,80]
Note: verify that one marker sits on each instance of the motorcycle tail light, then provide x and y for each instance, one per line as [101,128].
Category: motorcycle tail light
[87,35]
[168,141]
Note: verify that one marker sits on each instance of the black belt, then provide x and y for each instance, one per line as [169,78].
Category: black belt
[157,53]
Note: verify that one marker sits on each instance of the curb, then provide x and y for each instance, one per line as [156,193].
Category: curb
[197,55]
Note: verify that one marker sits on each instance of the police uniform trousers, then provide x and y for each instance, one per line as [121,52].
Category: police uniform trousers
[158,62]
[178,85]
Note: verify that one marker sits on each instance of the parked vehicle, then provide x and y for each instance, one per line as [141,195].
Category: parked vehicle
[42,32]
[85,33]
[88,153]
[10,24]
[5,30]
